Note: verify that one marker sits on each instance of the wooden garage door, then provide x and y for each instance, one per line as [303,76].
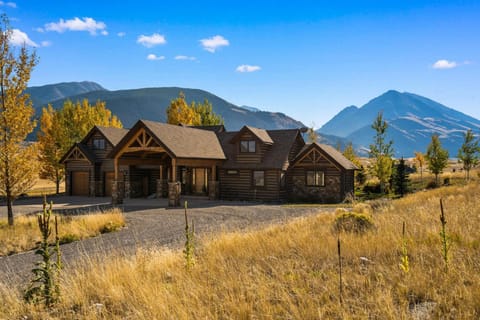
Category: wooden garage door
[80,183]
[109,178]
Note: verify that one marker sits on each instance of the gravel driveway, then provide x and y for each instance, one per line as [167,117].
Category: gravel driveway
[148,226]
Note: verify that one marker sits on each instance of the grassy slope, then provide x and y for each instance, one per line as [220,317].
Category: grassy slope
[290,271]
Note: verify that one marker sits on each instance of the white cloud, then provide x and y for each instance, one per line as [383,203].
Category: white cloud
[154,57]
[45,43]
[77,24]
[180,57]
[20,38]
[213,43]
[121,34]
[151,41]
[39,29]
[8,4]
[104,32]
[444,64]
[247,68]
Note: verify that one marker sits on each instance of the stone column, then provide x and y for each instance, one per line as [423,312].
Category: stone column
[127,188]
[213,190]
[174,190]
[116,196]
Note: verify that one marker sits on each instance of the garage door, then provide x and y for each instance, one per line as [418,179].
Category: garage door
[80,183]
[109,178]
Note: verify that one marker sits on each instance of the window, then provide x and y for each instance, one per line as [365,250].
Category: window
[99,143]
[247,146]
[258,178]
[232,172]
[315,178]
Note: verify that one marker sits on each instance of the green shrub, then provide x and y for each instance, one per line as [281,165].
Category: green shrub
[353,222]
[110,227]
[69,237]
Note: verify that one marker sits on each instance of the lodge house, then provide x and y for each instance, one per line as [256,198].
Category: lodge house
[154,159]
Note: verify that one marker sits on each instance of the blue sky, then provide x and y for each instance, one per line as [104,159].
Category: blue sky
[308,59]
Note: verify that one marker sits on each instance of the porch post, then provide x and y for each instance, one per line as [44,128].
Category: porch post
[213,185]
[174,187]
[116,196]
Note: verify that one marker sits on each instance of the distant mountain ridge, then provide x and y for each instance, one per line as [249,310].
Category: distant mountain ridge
[412,120]
[151,104]
[44,94]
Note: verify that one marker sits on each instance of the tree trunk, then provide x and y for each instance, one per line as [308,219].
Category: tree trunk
[10,210]
[57,182]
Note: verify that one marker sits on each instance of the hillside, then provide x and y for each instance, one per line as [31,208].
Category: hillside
[412,120]
[42,95]
[151,103]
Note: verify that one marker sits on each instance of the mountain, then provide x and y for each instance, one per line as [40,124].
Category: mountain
[42,95]
[253,109]
[412,120]
[151,103]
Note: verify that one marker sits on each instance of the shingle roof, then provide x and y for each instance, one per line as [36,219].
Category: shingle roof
[333,153]
[276,157]
[181,142]
[215,128]
[261,134]
[113,135]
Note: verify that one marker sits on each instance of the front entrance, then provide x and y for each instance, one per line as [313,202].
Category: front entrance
[194,181]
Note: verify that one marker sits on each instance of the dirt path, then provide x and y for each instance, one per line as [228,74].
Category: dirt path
[155,227]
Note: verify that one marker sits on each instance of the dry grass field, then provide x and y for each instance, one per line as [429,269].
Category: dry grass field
[290,271]
[25,234]
[45,187]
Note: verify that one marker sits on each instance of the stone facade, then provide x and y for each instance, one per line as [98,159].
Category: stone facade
[330,193]
[174,191]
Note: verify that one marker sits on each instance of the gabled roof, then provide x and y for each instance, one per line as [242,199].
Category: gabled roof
[215,128]
[260,134]
[276,157]
[83,149]
[180,142]
[330,151]
[113,135]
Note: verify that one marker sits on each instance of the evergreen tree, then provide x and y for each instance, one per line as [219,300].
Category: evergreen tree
[468,152]
[437,157]
[18,172]
[382,152]
[400,178]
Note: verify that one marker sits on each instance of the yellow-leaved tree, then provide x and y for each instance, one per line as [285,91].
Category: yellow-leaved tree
[60,129]
[179,112]
[195,114]
[17,170]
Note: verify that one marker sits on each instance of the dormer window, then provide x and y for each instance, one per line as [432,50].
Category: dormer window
[99,144]
[247,146]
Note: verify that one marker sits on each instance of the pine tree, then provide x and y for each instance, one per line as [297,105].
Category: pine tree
[17,170]
[400,178]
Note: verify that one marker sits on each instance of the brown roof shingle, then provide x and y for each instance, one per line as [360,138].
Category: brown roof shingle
[113,135]
[276,156]
[184,142]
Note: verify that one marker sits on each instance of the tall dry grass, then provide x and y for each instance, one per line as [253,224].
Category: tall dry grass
[25,235]
[290,271]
